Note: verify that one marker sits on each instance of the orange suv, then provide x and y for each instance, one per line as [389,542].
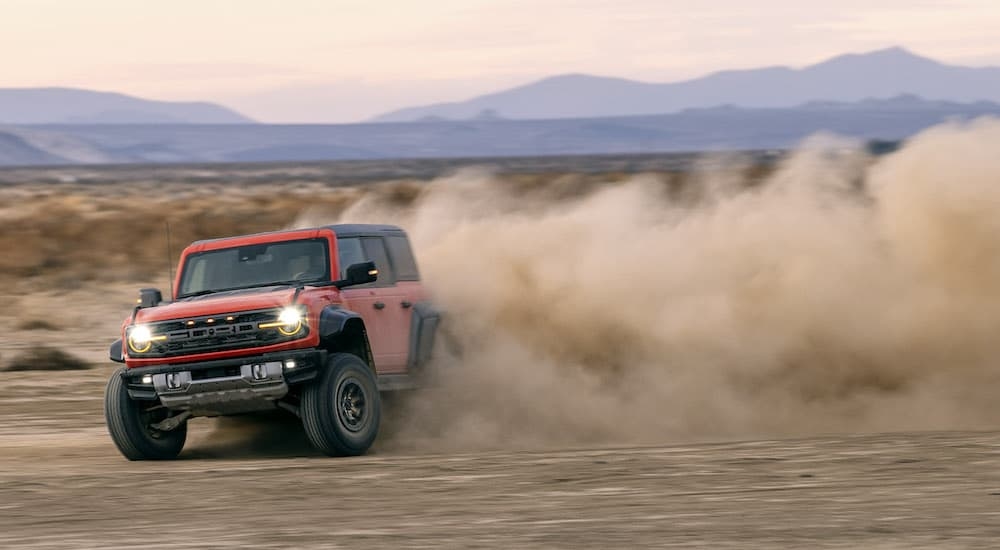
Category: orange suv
[314,321]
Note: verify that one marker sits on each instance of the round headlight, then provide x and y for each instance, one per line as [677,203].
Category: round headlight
[291,321]
[140,339]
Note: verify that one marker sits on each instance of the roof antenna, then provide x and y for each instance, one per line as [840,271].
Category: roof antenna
[170,263]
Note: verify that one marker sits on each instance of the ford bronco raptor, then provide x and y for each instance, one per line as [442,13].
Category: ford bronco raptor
[314,321]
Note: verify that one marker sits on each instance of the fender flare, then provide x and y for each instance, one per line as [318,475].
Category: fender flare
[344,330]
[333,320]
[423,330]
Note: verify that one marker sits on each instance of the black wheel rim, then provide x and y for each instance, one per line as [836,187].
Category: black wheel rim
[150,416]
[352,404]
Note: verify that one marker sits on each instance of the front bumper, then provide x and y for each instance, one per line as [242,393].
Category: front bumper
[228,386]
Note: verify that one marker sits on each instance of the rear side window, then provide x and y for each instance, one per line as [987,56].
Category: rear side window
[402,259]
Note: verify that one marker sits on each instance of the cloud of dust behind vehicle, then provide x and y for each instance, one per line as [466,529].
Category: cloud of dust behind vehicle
[842,293]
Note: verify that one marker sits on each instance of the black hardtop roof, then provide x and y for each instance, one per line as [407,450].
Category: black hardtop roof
[361,229]
[341,229]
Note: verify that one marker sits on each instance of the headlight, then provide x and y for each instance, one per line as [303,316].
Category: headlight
[289,322]
[140,339]
[290,316]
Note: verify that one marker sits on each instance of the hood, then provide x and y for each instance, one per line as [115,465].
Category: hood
[218,304]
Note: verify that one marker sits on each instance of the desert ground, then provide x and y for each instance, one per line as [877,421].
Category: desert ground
[63,485]
[771,405]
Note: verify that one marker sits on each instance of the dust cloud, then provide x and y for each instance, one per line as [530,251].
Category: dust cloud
[841,294]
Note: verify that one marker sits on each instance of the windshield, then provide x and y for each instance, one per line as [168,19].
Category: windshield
[286,262]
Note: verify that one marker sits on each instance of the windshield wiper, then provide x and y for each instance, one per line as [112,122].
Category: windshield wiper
[198,293]
[214,291]
[258,285]
[295,282]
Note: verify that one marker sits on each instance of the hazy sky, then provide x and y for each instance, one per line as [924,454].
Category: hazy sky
[335,61]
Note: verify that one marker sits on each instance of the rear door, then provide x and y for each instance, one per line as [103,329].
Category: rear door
[380,304]
[408,284]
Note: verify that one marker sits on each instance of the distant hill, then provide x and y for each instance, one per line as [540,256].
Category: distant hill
[15,151]
[847,78]
[715,128]
[74,106]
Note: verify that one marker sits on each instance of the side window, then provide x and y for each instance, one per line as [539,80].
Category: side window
[375,251]
[349,252]
[402,259]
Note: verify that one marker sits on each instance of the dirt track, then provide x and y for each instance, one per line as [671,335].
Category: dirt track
[63,485]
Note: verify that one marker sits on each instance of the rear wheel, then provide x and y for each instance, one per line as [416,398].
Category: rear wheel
[341,411]
[130,424]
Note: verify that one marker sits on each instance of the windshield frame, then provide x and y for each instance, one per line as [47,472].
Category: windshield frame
[189,258]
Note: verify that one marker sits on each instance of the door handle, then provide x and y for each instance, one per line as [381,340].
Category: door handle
[379,305]
[406,304]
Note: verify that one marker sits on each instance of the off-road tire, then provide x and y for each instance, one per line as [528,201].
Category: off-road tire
[129,426]
[335,421]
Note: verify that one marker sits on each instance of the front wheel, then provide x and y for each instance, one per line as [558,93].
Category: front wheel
[341,411]
[130,424]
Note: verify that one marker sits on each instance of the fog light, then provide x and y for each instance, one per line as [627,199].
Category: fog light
[147,379]
[289,363]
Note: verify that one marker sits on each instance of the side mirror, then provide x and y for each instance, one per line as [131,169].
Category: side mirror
[115,352]
[359,274]
[150,297]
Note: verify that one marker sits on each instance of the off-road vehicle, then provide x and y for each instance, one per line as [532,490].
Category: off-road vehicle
[314,321]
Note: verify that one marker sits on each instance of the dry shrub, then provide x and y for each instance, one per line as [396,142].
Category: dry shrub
[36,324]
[44,358]
[79,235]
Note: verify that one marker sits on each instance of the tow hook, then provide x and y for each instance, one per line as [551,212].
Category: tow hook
[171,423]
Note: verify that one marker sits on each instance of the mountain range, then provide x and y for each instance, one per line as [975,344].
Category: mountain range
[75,106]
[883,95]
[879,74]
[717,128]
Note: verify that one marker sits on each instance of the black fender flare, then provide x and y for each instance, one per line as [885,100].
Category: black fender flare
[423,329]
[344,330]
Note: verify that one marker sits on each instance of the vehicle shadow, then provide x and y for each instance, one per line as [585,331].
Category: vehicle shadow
[279,434]
[269,435]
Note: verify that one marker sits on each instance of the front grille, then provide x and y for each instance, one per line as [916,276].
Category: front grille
[216,333]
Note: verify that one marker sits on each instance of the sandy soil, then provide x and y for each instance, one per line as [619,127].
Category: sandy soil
[247,485]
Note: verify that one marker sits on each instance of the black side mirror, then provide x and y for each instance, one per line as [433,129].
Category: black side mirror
[150,297]
[359,274]
[115,352]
